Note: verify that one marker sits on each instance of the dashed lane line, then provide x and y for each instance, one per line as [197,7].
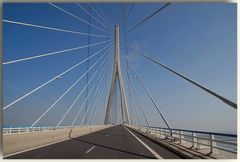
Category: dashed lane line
[90,149]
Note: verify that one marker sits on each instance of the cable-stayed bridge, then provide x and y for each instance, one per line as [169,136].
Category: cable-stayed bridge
[111,120]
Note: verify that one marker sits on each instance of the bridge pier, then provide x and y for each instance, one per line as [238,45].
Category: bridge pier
[117,78]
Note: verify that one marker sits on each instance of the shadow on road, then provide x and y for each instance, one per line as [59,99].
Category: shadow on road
[148,157]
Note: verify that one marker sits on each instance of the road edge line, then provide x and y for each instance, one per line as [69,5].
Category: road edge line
[145,145]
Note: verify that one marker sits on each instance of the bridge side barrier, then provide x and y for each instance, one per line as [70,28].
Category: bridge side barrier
[217,145]
[21,141]
[14,130]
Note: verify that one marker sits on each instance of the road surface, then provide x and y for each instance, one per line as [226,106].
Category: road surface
[117,142]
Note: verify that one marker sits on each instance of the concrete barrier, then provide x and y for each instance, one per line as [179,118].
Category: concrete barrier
[13,143]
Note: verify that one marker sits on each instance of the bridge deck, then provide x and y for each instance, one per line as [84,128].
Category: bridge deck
[111,143]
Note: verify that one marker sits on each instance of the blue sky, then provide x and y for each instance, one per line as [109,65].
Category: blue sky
[196,39]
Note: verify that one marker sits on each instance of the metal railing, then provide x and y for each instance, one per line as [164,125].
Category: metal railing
[16,130]
[198,139]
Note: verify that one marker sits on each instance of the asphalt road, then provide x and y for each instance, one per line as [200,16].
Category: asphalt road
[116,142]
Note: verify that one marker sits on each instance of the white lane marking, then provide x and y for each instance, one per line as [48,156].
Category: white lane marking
[145,145]
[107,135]
[90,149]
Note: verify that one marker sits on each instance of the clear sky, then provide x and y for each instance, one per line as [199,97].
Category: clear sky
[196,39]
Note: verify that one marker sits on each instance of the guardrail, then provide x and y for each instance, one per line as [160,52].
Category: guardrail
[211,140]
[36,129]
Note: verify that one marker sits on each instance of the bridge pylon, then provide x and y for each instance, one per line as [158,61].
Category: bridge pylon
[117,80]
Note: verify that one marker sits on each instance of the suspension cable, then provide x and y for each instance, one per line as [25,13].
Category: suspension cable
[79,5]
[99,96]
[101,74]
[76,99]
[148,17]
[141,106]
[131,96]
[106,98]
[54,53]
[225,100]
[103,14]
[83,105]
[96,27]
[54,78]
[68,90]
[98,90]
[130,101]
[75,118]
[99,107]
[102,95]
[102,101]
[97,13]
[130,10]
[145,88]
[88,50]
[134,108]
[135,90]
[134,120]
[52,28]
